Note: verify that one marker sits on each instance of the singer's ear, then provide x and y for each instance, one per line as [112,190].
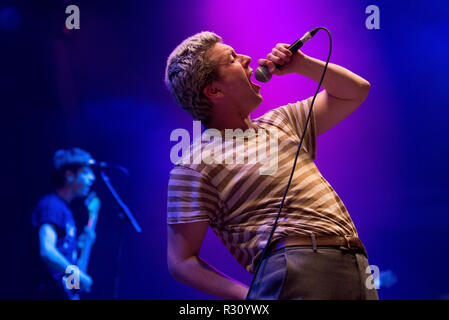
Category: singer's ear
[212,91]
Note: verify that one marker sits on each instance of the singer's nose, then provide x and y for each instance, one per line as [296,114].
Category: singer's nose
[246,61]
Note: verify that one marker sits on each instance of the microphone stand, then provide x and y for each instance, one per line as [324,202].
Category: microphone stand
[124,215]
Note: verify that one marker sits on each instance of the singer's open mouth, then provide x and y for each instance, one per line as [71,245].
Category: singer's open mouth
[253,85]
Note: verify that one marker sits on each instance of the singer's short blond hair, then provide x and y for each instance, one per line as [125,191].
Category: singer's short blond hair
[189,70]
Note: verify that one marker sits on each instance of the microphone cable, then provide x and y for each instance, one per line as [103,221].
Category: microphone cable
[264,253]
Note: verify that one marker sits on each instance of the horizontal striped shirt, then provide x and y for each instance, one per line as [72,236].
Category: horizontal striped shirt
[241,204]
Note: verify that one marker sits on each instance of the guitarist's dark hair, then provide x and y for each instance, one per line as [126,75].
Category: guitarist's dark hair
[64,160]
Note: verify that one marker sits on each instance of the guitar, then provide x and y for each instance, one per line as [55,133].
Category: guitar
[85,241]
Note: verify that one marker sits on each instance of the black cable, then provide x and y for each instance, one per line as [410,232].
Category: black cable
[264,253]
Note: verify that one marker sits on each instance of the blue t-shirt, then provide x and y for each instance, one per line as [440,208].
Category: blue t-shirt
[54,210]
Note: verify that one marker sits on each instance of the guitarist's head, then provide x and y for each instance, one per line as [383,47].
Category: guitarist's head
[72,173]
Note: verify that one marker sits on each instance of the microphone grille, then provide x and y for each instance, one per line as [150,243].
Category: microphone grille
[262,74]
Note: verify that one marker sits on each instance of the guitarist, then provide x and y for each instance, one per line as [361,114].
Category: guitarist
[59,246]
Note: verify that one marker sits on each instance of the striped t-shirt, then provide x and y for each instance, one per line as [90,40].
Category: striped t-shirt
[241,204]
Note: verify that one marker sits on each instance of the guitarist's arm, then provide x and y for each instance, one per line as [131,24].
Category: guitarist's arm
[48,251]
[51,255]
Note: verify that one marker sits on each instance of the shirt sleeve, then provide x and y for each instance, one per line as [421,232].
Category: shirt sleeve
[295,115]
[46,212]
[191,197]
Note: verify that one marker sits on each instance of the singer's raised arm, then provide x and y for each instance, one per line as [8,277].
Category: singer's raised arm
[343,93]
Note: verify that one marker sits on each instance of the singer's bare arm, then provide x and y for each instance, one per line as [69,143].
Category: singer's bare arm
[185,265]
[344,90]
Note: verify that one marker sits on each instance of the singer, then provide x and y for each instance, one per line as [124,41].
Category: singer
[59,246]
[315,252]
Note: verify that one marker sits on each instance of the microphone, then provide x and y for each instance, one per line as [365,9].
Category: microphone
[263,75]
[102,164]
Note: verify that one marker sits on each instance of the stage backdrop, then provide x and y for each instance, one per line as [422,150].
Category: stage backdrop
[101,88]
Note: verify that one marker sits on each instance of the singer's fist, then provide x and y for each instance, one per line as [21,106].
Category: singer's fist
[283,57]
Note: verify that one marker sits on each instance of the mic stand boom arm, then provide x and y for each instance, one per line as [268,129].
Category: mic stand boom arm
[125,210]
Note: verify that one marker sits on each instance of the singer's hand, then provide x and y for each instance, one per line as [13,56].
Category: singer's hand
[283,57]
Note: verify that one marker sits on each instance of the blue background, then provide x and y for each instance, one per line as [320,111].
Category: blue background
[101,88]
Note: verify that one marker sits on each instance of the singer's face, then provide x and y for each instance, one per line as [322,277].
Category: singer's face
[234,71]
